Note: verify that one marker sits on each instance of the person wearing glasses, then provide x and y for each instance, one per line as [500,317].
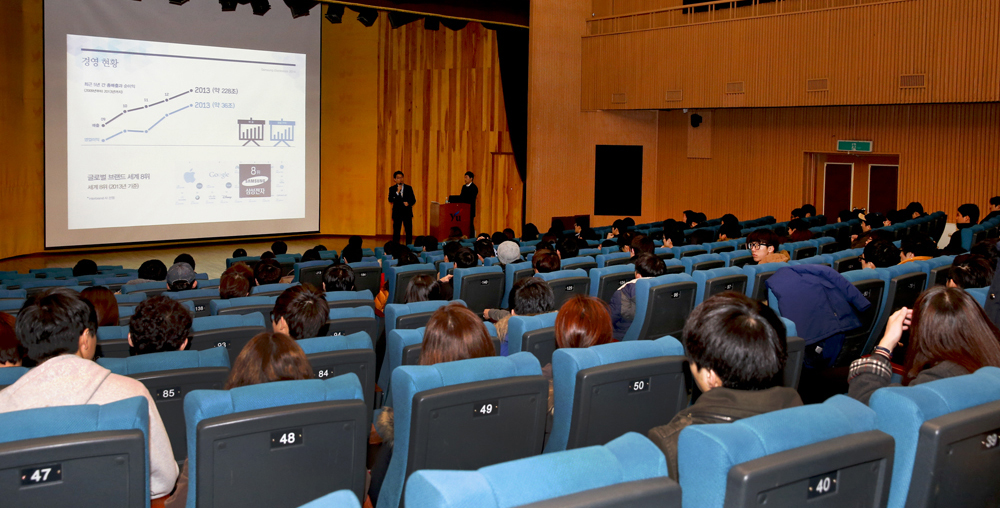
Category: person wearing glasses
[763,245]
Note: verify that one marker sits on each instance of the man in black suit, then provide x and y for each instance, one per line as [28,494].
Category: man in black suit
[402,199]
[468,195]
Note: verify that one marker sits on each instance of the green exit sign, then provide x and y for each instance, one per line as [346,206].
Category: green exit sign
[854,146]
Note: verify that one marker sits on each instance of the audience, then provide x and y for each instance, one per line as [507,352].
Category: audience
[994,208]
[423,288]
[529,232]
[104,303]
[917,247]
[185,258]
[970,271]
[968,216]
[508,252]
[181,277]
[85,267]
[762,244]
[58,329]
[529,296]
[233,285]
[279,248]
[880,254]
[736,351]
[300,312]
[545,262]
[950,335]
[150,271]
[583,321]
[267,271]
[241,268]
[623,301]
[484,249]
[309,255]
[352,252]
[159,324]
[240,253]
[11,351]
[453,333]
[338,278]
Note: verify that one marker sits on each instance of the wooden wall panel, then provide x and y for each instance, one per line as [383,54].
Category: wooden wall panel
[349,129]
[440,114]
[22,139]
[861,50]
[561,137]
[947,155]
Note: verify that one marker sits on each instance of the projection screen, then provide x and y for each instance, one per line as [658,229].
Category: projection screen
[172,122]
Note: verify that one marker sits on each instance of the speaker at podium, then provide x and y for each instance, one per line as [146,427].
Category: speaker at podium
[445,216]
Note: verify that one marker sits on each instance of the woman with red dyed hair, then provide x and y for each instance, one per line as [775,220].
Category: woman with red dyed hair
[583,321]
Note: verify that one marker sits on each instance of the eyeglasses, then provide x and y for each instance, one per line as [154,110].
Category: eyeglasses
[755,246]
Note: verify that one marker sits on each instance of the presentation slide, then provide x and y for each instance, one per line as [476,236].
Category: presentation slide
[172,122]
[182,134]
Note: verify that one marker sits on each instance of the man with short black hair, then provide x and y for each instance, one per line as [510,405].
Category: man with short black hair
[994,208]
[484,249]
[568,248]
[617,228]
[300,312]
[338,278]
[545,262]
[185,258]
[763,246]
[468,195]
[970,271]
[267,271]
[59,331]
[85,267]
[181,277]
[879,254]
[623,301]
[736,349]
[916,247]
[159,324]
[968,216]
[641,244]
[529,296]
[279,248]
[402,198]
[152,270]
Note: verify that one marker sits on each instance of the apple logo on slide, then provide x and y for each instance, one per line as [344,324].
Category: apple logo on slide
[189,176]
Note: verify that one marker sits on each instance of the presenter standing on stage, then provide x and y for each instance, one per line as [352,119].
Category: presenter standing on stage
[468,195]
[402,199]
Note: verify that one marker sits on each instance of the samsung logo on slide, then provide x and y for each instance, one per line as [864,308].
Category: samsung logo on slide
[254,180]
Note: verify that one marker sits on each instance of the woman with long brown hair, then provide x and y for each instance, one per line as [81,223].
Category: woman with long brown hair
[583,321]
[104,303]
[950,335]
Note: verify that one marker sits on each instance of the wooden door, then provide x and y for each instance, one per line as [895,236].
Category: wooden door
[837,184]
[883,186]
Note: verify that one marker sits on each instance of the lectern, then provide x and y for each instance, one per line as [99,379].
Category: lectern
[445,216]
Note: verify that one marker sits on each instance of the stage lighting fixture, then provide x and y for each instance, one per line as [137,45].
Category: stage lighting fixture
[260,7]
[454,24]
[300,8]
[242,2]
[398,19]
[228,5]
[367,17]
[432,23]
[178,2]
[335,13]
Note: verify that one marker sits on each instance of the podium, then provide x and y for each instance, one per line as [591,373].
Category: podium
[445,216]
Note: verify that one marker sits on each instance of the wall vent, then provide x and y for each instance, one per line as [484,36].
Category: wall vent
[619,98]
[674,95]
[735,87]
[913,81]
[817,85]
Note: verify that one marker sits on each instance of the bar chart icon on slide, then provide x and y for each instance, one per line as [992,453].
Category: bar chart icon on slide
[282,132]
[251,131]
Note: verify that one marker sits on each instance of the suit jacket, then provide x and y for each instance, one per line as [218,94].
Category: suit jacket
[468,195]
[818,300]
[399,209]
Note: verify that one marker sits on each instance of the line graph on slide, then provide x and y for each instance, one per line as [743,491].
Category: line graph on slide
[147,106]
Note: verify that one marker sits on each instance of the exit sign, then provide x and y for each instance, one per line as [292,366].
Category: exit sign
[854,146]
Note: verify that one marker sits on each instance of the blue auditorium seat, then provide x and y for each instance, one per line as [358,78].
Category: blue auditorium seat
[367,275]
[412,315]
[613,258]
[349,320]
[718,280]
[310,272]
[398,277]
[662,304]
[200,298]
[169,376]
[270,289]
[904,283]
[936,269]
[446,435]
[481,287]
[604,391]
[757,275]
[337,299]
[566,284]
[90,455]
[946,440]
[231,332]
[239,306]
[833,447]
[702,262]
[980,294]
[582,262]
[628,471]
[8,375]
[402,347]
[276,444]
[533,334]
[335,356]
[605,281]
[689,250]
[340,499]
[874,287]
[737,258]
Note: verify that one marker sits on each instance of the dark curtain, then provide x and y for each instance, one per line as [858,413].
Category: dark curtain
[512,51]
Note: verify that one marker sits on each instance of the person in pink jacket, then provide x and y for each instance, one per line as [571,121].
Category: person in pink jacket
[59,331]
